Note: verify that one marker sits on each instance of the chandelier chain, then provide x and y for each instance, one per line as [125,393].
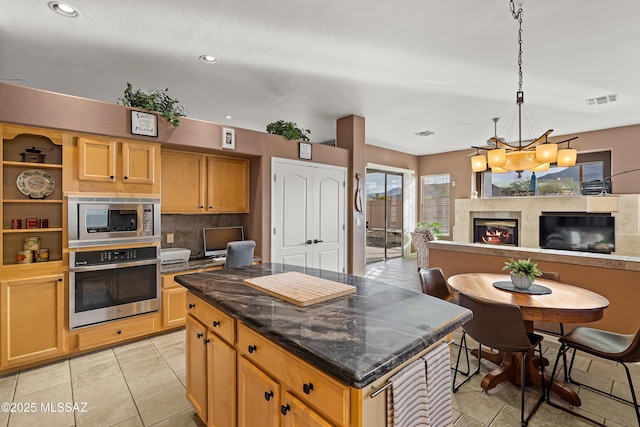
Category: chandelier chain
[517,15]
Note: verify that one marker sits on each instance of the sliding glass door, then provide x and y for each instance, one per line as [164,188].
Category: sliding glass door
[384,215]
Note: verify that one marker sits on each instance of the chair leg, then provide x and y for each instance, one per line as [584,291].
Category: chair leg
[463,346]
[523,378]
[463,341]
[564,356]
[561,353]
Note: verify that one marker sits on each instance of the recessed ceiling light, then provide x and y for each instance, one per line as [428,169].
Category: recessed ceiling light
[209,59]
[64,9]
[424,133]
[228,117]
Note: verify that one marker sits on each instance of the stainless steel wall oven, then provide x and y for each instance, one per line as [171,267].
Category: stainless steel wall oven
[111,284]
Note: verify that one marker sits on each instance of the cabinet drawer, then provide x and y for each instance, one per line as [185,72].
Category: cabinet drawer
[220,323]
[117,331]
[315,388]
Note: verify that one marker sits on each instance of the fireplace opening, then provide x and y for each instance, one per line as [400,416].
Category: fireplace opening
[495,231]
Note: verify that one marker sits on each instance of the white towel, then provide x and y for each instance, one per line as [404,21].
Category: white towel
[407,397]
[439,386]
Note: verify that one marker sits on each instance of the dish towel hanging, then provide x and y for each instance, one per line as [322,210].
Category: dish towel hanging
[407,397]
[439,386]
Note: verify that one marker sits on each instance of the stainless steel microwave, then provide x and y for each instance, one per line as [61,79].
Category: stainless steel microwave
[98,221]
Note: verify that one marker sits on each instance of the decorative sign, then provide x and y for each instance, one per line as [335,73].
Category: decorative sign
[229,138]
[144,124]
[305,151]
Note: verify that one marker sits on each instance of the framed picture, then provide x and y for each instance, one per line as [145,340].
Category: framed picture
[144,123]
[305,151]
[229,138]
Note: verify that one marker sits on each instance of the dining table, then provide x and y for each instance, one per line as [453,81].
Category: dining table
[553,302]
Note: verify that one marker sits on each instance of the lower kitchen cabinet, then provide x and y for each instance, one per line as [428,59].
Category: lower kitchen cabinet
[300,415]
[258,397]
[272,387]
[32,313]
[211,364]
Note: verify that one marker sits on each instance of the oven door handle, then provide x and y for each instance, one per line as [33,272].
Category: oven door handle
[113,266]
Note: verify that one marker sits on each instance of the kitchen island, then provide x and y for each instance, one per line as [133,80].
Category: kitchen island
[336,350]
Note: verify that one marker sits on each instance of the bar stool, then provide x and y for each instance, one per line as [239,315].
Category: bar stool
[621,348]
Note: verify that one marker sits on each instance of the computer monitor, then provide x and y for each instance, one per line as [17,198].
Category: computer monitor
[216,239]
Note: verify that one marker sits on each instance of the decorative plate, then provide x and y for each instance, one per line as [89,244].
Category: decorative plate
[35,183]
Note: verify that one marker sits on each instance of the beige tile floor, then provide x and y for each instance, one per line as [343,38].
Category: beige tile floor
[143,384]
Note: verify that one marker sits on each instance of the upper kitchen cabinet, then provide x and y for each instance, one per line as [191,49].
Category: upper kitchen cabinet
[198,183]
[228,184]
[105,165]
[32,207]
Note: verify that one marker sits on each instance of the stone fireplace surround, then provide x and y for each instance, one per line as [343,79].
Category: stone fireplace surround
[625,209]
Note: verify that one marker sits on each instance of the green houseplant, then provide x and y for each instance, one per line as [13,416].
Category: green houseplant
[155,100]
[523,272]
[289,130]
[434,227]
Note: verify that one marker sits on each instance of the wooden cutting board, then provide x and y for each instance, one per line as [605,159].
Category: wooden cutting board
[298,288]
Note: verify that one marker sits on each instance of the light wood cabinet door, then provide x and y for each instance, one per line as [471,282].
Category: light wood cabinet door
[222,382]
[197,366]
[183,182]
[138,163]
[228,185]
[96,160]
[32,313]
[297,414]
[258,397]
[174,301]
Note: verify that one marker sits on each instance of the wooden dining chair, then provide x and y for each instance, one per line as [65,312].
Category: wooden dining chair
[434,284]
[501,327]
[620,348]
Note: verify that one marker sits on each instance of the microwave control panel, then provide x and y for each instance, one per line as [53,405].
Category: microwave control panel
[113,256]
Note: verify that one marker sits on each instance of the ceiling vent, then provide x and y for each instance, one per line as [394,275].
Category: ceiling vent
[424,133]
[602,99]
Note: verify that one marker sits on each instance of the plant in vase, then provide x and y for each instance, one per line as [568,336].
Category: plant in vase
[523,272]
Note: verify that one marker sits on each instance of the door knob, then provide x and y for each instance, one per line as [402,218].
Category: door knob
[308,242]
[317,241]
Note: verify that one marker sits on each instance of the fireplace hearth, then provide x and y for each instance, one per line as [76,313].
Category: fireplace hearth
[495,231]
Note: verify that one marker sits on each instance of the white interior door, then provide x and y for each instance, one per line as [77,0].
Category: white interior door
[308,215]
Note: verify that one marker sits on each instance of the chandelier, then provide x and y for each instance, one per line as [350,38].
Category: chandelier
[536,155]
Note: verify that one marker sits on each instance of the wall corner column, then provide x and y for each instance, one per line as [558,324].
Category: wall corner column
[350,135]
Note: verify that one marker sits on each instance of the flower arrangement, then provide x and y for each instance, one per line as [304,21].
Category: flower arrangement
[523,267]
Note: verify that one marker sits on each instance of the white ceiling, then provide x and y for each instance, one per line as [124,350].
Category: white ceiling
[406,66]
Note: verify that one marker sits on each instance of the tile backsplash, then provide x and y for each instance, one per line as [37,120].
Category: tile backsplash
[187,230]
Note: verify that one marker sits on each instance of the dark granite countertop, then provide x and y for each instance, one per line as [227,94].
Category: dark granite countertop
[355,338]
[193,264]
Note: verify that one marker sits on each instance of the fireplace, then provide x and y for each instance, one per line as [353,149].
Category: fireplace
[495,231]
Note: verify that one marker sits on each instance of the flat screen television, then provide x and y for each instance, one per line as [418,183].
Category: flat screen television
[572,232]
[216,239]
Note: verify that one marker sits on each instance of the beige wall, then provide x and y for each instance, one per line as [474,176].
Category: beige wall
[33,107]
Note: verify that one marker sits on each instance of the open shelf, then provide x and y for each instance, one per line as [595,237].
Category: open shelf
[32,230]
[28,165]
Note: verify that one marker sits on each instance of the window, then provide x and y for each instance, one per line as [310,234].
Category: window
[557,181]
[435,200]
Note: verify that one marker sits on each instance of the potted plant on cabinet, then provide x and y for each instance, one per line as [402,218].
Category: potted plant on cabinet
[289,130]
[156,100]
[523,272]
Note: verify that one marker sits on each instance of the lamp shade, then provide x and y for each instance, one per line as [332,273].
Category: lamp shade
[479,163]
[567,157]
[541,168]
[547,153]
[520,161]
[496,157]
[498,169]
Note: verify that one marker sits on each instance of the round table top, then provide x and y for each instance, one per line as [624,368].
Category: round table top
[565,303]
